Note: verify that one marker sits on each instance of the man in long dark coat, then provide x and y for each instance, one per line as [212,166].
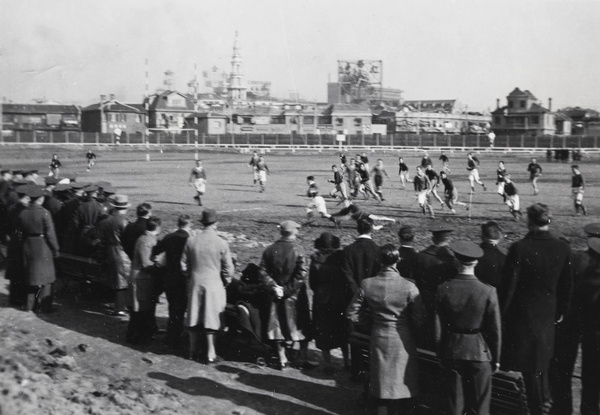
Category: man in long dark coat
[534,295]
[435,264]
[489,266]
[14,267]
[175,281]
[39,248]
[284,270]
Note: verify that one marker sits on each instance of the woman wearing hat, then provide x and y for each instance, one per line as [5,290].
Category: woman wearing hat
[390,307]
[330,297]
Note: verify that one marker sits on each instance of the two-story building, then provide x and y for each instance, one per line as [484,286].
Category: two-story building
[524,115]
[113,116]
[40,117]
[168,110]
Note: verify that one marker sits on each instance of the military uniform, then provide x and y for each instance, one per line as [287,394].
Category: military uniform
[468,337]
[489,266]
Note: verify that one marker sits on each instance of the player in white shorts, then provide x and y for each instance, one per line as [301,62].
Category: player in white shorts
[317,206]
[198,180]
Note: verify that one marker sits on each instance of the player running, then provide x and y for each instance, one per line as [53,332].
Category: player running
[378,171]
[512,198]
[263,170]
[198,180]
[445,160]
[90,158]
[55,166]
[254,165]
[422,190]
[434,178]
[577,188]
[317,204]
[365,181]
[353,211]
[339,183]
[535,171]
[450,193]
[403,172]
[472,167]
[500,173]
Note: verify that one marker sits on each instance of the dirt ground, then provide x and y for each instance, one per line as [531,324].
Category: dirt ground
[76,360]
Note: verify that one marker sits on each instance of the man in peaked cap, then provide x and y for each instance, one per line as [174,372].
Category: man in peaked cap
[51,203]
[39,248]
[534,296]
[434,265]
[467,332]
[284,269]
[85,219]
[489,266]
[206,261]
[569,331]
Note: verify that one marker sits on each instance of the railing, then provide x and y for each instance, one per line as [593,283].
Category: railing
[299,141]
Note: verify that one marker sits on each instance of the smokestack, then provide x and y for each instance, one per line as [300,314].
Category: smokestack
[549,104]
[497,103]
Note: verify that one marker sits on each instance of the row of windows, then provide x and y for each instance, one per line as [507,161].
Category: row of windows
[120,117]
[518,121]
[511,104]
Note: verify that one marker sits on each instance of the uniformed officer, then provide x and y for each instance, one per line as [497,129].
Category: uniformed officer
[570,330]
[467,332]
[434,265]
[14,267]
[39,248]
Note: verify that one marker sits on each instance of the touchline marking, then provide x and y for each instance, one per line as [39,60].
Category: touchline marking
[238,210]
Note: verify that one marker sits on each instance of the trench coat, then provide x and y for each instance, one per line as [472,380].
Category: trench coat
[206,260]
[395,309]
[119,264]
[141,281]
[39,246]
[536,290]
[284,264]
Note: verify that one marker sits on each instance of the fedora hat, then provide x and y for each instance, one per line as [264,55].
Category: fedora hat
[120,201]
[209,216]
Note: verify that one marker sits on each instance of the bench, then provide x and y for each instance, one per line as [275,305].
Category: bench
[82,269]
[508,389]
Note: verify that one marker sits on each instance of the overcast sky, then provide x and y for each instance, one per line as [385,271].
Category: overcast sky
[471,50]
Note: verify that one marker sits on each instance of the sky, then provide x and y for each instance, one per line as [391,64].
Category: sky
[476,51]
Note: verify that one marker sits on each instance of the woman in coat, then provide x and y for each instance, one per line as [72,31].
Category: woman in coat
[330,298]
[39,249]
[391,307]
[206,260]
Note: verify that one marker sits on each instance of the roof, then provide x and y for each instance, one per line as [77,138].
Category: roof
[350,109]
[208,114]
[39,109]
[431,105]
[518,93]
[562,116]
[158,102]
[115,106]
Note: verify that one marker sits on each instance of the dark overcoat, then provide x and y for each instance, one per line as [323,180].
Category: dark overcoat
[284,263]
[40,245]
[330,299]
[394,306]
[119,264]
[489,266]
[407,266]
[536,289]
[361,260]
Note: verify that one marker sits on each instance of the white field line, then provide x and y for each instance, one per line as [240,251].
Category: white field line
[239,210]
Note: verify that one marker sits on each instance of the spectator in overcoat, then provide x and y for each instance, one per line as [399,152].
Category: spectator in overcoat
[136,229]
[119,264]
[14,268]
[407,266]
[489,266]
[284,268]
[534,295]
[40,247]
[390,308]
[175,281]
[329,298]
[435,264]
[468,336]
[206,260]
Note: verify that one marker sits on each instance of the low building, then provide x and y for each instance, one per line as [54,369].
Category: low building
[445,116]
[387,96]
[40,117]
[524,115]
[114,117]
[209,123]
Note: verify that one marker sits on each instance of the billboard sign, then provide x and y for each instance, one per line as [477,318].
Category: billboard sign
[360,81]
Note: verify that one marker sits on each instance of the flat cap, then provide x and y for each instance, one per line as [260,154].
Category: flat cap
[466,250]
[20,182]
[90,188]
[50,180]
[592,229]
[34,191]
[289,226]
[594,244]
[62,187]
[103,184]
[14,172]
[28,172]
[440,227]
[108,190]
[78,185]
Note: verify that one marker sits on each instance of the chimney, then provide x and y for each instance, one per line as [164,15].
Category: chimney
[102,98]
[112,97]
[497,103]
[549,104]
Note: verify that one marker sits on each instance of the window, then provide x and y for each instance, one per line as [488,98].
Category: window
[308,120]
[339,122]
[497,120]
[535,120]
[278,119]
[324,120]
[510,104]
[138,118]
[522,104]
[357,122]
